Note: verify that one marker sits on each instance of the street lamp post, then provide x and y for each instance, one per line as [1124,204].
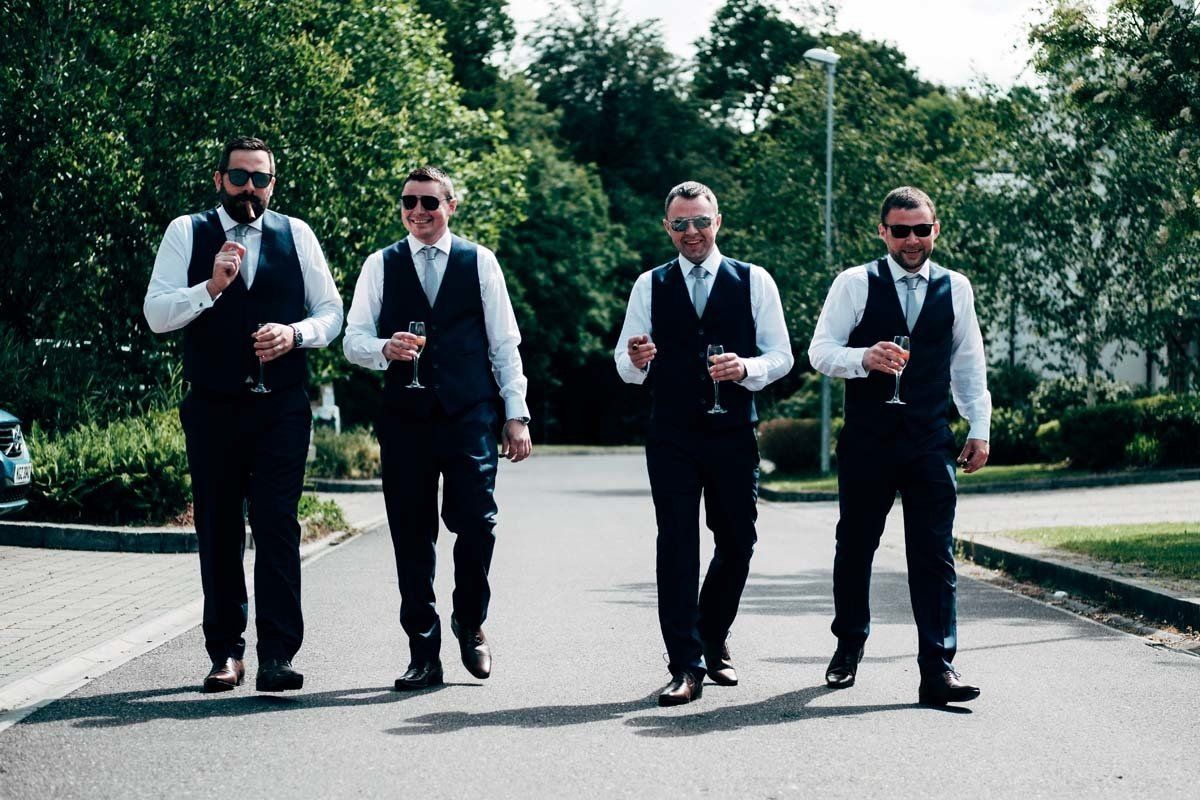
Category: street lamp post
[829,60]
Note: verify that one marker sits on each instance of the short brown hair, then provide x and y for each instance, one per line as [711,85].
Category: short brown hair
[434,174]
[690,190]
[243,143]
[906,197]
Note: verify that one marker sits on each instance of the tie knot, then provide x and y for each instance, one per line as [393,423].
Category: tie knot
[912,281]
[699,273]
[429,251]
[239,232]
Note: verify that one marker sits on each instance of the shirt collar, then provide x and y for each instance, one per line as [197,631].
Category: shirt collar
[228,223]
[899,272]
[443,244]
[710,264]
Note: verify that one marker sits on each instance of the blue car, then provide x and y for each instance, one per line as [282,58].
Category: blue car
[15,468]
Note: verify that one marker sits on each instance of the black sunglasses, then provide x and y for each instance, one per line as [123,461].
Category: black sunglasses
[429,202]
[238,177]
[680,225]
[902,231]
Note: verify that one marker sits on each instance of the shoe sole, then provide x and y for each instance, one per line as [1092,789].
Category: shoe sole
[722,681]
[212,687]
[930,700]
[845,685]
[403,686]
[288,686]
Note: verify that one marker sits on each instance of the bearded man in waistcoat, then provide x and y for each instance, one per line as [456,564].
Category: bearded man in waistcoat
[699,444]
[439,416]
[252,292]
[888,447]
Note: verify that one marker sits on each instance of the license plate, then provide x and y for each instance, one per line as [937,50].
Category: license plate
[22,474]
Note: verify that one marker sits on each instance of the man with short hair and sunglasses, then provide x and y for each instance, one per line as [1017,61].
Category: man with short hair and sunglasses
[676,313]
[253,293]
[887,446]
[446,426]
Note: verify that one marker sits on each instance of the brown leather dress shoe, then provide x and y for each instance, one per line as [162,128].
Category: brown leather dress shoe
[277,675]
[683,689]
[420,675]
[225,675]
[476,653]
[719,665]
[946,687]
[843,667]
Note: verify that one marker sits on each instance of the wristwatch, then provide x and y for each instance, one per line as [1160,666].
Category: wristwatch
[297,336]
[522,420]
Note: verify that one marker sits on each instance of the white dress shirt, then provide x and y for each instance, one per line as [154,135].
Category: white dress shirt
[774,358]
[171,304]
[843,311]
[363,344]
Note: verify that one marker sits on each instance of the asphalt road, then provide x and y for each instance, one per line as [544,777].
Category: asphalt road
[1069,708]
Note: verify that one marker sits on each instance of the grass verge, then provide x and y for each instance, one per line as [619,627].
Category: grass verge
[1168,548]
[1001,474]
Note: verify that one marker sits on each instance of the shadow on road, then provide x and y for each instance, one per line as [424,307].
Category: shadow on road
[131,708]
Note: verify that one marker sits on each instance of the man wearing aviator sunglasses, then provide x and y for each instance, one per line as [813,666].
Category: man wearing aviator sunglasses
[252,292]
[696,447]
[446,428]
[887,446]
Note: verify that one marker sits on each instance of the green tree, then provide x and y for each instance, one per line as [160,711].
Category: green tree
[476,32]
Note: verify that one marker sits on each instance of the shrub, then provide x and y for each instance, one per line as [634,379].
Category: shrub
[1012,386]
[321,517]
[1143,451]
[1173,421]
[804,403]
[1049,440]
[1096,437]
[794,445]
[134,470]
[352,455]
[1014,437]
[1053,397]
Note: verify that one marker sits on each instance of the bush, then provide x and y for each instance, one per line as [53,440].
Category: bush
[321,517]
[352,455]
[1143,451]
[1053,397]
[133,471]
[1012,386]
[1014,437]
[1050,442]
[1173,421]
[804,403]
[1096,437]
[794,445]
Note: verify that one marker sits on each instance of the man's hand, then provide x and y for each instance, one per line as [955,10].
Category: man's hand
[272,341]
[727,367]
[641,350]
[885,357]
[403,346]
[974,455]
[225,268]
[516,444]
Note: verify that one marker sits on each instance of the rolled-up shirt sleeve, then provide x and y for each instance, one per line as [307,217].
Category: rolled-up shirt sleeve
[840,315]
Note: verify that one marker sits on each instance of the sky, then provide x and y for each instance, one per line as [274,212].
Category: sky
[949,42]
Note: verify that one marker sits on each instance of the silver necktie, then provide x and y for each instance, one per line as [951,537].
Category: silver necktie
[699,289]
[912,308]
[240,232]
[431,277]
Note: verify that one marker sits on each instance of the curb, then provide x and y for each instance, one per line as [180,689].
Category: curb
[65,536]
[339,486]
[1004,487]
[1151,601]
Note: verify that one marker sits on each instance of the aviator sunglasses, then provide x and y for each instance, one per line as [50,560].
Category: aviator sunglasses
[238,177]
[680,225]
[902,231]
[429,202]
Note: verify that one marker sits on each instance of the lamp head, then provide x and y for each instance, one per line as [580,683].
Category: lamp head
[821,56]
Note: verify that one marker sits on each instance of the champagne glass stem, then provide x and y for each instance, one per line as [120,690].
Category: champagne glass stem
[896,394]
[416,363]
[716,394]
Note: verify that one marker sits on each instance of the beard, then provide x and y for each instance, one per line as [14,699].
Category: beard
[239,205]
[906,260]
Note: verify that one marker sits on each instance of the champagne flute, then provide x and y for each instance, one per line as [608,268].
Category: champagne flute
[903,343]
[260,387]
[417,329]
[713,351]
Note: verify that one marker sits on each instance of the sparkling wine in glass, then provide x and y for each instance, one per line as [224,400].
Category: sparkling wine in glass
[260,387]
[903,343]
[713,351]
[417,329]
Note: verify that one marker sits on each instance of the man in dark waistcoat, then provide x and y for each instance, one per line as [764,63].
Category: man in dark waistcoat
[887,447]
[252,292]
[439,416]
[676,312]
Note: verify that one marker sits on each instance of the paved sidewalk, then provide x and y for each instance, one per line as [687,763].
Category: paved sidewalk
[64,612]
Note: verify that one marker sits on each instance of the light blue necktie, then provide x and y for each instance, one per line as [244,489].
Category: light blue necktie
[912,306]
[431,277]
[699,289]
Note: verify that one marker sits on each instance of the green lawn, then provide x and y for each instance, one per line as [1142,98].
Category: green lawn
[1016,472]
[1169,548]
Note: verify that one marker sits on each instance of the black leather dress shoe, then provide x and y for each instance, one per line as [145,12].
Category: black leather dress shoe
[277,675]
[843,667]
[420,675]
[225,675]
[946,687]
[683,689]
[719,665]
[476,653]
